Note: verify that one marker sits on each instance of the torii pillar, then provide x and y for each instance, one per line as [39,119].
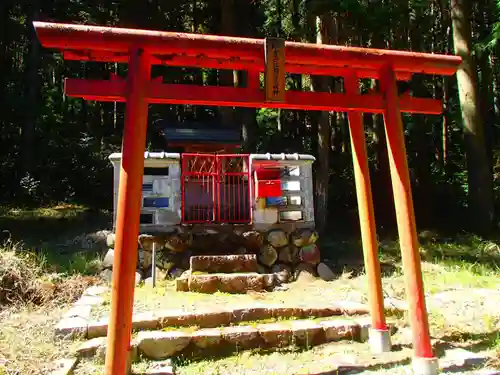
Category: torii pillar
[128,213]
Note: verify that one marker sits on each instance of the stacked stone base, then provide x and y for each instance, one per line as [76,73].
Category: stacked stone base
[277,253]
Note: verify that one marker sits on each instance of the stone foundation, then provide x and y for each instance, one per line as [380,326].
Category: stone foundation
[285,253]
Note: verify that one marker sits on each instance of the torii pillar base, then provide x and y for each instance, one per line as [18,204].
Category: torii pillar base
[379,341]
[425,366]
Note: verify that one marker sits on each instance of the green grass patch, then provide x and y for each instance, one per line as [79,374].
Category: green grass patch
[60,211]
[461,249]
[465,261]
[455,274]
[47,227]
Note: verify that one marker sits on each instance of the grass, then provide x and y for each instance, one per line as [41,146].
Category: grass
[32,301]
[47,227]
[453,275]
[458,265]
[27,344]
[317,360]
[443,272]
[286,322]
[26,278]
[37,285]
[60,211]
[164,296]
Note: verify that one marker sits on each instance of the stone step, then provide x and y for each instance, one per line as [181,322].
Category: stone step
[224,317]
[230,282]
[224,263]
[304,333]
[159,345]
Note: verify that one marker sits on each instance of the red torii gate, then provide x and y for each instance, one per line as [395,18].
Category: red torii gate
[141,49]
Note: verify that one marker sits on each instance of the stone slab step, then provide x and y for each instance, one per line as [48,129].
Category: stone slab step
[231,282]
[224,317]
[159,345]
[224,263]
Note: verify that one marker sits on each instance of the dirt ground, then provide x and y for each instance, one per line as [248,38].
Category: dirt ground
[463,314]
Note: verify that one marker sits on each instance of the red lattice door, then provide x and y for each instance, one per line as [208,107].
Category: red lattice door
[216,188]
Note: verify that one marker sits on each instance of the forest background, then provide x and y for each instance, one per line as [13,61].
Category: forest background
[55,149]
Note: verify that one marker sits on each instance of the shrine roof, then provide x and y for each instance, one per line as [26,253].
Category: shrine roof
[198,132]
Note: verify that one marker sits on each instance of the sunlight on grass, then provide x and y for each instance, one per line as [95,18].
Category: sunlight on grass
[453,275]
[51,225]
[53,212]
[461,262]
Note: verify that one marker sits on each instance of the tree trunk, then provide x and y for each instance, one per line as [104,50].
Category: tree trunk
[5,61]
[298,79]
[486,92]
[248,115]
[226,77]
[487,106]
[447,88]
[422,162]
[197,73]
[479,174]
[382,188]
[323,167]
[32,94]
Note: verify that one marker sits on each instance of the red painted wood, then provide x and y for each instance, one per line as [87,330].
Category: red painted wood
[213,63]
[366,210]
[119,40]
[127,216]
[405,217]
[159,93]
[214,188]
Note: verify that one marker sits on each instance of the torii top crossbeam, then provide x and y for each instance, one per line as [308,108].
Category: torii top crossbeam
[182,49]
[108,44]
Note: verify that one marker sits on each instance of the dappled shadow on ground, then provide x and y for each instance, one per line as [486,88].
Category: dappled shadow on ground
[434,247]
[346,256]
[353,369]
[356,267]
[459,249]
[229,350]
[465,364]
[474,342]
[338,364]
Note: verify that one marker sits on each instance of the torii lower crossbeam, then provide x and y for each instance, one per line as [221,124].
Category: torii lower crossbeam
[159,93]
[143,48]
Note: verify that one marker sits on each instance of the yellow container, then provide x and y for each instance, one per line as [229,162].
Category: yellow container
[261,203]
